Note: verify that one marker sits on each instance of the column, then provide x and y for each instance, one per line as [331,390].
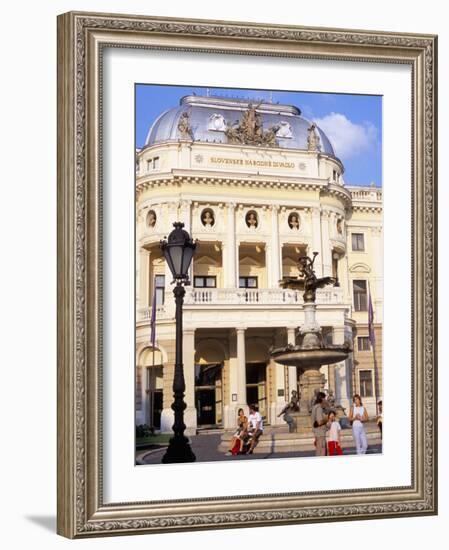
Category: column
[292,371]
[169,301]
[230,262]
[274,256]
[171,216]
[326,245]
[316,241]
[230,409]
[376,260]
[241,368]
[280,385]
[167,416]
[142,415]
[342,373]
[144,277]
[188,357]
[185,216]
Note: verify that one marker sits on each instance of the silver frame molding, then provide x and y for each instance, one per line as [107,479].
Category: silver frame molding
[81,39]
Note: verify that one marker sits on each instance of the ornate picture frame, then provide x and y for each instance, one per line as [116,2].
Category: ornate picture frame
[82,38]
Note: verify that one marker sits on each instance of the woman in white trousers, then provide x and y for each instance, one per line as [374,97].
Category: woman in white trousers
[358,415]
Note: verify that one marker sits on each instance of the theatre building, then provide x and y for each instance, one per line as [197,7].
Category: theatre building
[257,185]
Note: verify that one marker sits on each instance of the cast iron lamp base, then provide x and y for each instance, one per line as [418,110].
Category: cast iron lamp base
[179,450]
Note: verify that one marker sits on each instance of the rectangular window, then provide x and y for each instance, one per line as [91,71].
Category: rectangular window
[153,164]
[360,295]
[366,383]
[248,282]
[205,282]
[358,242]
[159,284]
[363,343]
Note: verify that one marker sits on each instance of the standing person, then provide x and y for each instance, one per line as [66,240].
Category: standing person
[379,419]
[239,435]
[333,441]
[358,415]
[255,427]
[319,423]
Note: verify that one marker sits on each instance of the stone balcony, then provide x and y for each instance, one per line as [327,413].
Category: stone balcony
[208,298]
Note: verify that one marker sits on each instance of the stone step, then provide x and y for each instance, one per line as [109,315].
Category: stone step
[290,442]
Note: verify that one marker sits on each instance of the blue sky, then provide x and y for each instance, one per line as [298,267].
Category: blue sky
[353,123]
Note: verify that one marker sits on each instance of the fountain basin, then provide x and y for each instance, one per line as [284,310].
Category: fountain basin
[295,356]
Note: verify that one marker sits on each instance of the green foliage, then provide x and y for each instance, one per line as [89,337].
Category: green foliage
[143,430]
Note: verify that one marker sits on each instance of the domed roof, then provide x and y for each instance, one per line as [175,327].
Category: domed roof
[209,116]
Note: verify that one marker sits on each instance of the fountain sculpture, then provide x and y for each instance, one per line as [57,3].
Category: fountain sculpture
[311,353]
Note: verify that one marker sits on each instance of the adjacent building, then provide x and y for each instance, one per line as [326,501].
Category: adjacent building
[257,185]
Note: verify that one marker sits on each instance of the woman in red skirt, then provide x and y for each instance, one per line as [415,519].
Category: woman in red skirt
[333,438]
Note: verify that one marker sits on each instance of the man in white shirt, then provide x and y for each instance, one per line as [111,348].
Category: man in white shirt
[255,426]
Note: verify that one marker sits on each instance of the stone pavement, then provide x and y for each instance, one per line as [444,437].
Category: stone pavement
[205,447]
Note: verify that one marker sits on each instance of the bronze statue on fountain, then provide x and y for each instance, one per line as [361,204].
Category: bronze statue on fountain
[307,280]
[312,352]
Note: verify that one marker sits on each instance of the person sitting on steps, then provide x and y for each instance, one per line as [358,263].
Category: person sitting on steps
[255,427]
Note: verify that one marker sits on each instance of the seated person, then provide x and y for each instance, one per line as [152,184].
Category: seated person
[255,427]
[239,435]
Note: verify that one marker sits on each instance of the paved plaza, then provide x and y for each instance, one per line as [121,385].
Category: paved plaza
[206,449]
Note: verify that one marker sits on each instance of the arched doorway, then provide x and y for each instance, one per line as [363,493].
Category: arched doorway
[209,359]
[152,365]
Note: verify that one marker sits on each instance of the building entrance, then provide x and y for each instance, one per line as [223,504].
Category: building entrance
[256,386]
[208,394]
[154,393]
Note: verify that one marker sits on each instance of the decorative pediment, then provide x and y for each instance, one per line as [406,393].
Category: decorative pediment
[289,262]
[248,260]
[206,260]
[360,268]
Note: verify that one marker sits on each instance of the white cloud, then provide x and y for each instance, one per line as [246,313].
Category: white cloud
[348,139]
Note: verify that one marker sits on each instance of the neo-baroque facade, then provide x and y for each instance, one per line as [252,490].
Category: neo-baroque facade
[257,186]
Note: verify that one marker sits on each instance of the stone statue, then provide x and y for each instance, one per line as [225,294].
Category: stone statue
[184,126]
[251,121]
[313,139]
[269,136]
[291,407]
[249,130]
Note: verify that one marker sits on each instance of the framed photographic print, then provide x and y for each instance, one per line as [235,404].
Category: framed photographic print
[247,274]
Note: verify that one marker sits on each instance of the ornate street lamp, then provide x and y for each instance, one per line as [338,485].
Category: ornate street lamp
[178,250]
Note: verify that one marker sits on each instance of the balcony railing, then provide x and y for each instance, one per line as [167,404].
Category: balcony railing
[144,313]
[265,296]
[198,297]
[257,296]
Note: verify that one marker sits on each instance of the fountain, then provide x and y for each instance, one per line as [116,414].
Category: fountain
[311,353]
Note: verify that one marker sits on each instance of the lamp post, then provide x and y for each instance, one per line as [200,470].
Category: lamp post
[178,251]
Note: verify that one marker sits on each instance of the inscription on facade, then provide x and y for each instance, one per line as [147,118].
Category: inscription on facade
[252,162]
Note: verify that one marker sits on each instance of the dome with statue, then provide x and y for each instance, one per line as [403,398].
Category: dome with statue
[216,119]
